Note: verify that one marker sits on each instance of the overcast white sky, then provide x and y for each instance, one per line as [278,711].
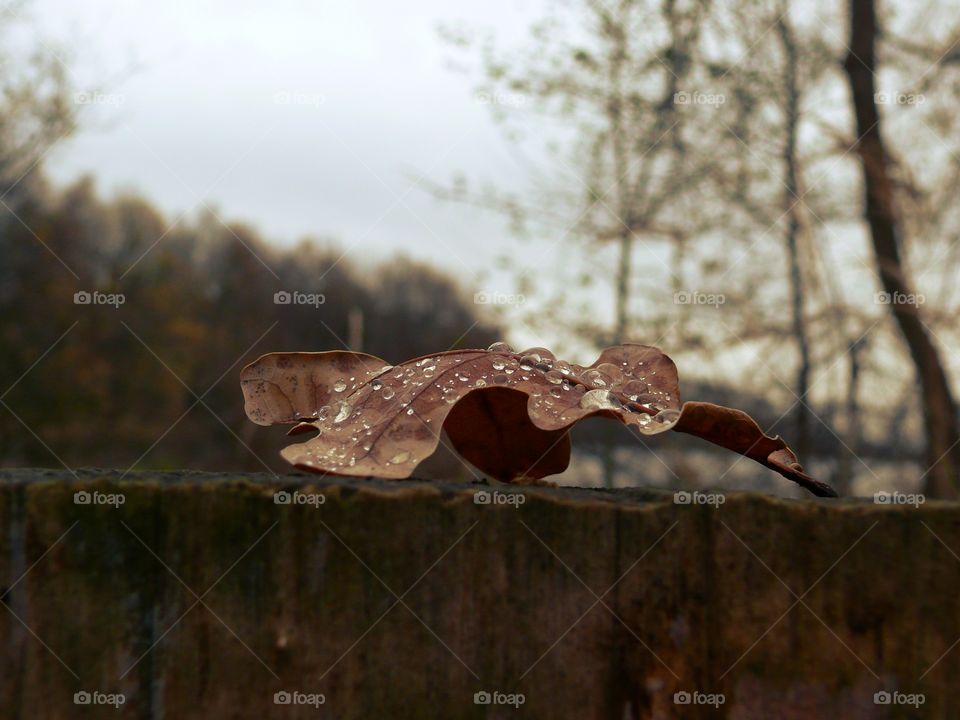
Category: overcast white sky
[191,115]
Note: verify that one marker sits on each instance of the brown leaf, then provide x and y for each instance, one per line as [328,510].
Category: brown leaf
[737,431]
[492,429]
[507,413]
[289,387]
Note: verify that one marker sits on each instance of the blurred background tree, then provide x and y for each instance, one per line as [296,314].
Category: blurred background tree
[725,132]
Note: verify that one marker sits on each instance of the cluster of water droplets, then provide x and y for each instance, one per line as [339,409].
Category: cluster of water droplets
[589,388]
[355,413]
[356,424]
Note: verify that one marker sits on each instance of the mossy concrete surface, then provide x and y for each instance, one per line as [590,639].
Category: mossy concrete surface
[201,596]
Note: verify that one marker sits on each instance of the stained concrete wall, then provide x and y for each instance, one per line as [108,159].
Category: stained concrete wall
[201,597]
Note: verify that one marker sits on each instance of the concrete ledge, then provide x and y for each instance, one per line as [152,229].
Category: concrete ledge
[201,597]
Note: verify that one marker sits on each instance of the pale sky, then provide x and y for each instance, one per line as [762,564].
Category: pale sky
[196,112]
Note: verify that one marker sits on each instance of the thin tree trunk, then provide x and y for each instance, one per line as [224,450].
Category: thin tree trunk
[792,208]
[623,287]
[618,150]
[852,431]
[940,411]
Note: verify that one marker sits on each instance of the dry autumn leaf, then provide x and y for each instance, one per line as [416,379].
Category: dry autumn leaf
[507,413]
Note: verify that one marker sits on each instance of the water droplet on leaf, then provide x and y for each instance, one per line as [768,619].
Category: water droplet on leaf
[634,389]
[595,377]
[343,411]
[611,371]
[666,417]
[599,400]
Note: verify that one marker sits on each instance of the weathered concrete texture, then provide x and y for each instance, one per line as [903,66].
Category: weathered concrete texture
[200,597]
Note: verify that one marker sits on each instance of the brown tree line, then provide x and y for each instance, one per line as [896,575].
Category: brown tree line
[153,381]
